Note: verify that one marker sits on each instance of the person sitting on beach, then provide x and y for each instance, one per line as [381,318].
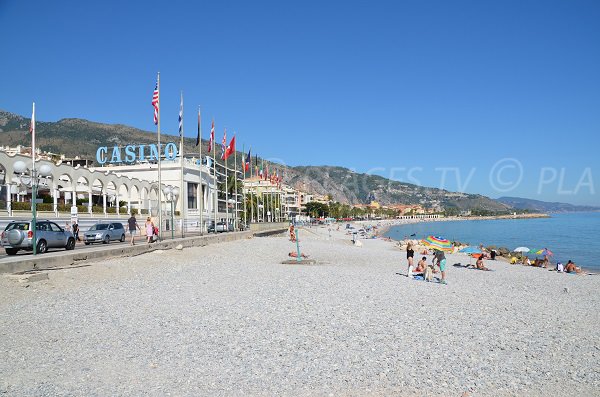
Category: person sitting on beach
[572,268]
[294,254]
[546,262]
[479,264]
[526,261]
[421,265]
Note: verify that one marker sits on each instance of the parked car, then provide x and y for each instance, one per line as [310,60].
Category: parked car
[224,227]
[211,227]
[18,235]
[104,233]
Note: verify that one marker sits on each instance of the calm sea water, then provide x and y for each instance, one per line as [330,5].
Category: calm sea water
[574,236]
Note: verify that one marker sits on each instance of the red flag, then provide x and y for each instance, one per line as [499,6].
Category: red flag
[211,140]
[230,149]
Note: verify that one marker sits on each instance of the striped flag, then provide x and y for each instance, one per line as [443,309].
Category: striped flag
[248,162]
[224,145]
[155,102]
[211,140]
[181,116]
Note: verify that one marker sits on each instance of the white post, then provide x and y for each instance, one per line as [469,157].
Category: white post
[8,200]
[90,202]
[117,201]
[104,202]
[55,197]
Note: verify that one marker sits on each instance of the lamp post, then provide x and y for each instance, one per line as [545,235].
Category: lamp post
[32,181]
[171,194]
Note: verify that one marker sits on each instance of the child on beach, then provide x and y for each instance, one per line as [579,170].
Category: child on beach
[149,229]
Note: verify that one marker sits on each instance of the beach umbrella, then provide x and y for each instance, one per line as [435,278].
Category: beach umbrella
[521,249]
[438,243]
[470,250]
[545,251]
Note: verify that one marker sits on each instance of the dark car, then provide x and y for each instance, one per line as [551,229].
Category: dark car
[18,235]
[104,233]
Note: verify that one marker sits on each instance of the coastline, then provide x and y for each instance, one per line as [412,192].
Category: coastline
[385,224]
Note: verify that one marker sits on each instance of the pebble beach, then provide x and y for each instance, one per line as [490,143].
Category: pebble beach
[230,319]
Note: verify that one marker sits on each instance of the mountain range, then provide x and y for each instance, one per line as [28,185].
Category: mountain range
[77,137]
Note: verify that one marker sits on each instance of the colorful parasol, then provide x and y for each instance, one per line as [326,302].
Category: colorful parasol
[544,251]
[438,243]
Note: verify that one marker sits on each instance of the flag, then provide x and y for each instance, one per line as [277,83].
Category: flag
[223,143]
[266,174]
[181,116]
[198,137]
[230,149]
[155,102]
[32,125]
[248,161]
[211,140]
[32,131]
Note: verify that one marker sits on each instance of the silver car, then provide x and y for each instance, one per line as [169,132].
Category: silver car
[18,235]
[104,233]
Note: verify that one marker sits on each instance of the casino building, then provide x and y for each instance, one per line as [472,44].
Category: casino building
[118,187]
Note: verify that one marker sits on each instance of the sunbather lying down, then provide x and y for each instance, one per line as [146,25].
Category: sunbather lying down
[294,254]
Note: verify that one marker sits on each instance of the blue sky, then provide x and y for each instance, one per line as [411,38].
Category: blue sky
[499,98]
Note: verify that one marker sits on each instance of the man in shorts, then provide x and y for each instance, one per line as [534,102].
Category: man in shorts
[132,223]
[440,259]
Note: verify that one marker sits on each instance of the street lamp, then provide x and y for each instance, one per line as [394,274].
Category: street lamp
[171,193]
[32,180]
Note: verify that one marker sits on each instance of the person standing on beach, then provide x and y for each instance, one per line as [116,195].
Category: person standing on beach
[132,223]
[410,253]
[440,259]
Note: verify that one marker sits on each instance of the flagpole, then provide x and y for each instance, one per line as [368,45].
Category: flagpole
[226,190]
[159,167]
[201,188]
[262,199]
[34,183]
[244,184]
[181,157]
[235,219]
[214,150]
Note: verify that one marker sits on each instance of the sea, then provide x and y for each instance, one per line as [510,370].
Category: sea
[570,236]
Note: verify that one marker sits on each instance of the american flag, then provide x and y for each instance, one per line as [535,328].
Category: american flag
[211,140]
[155,103]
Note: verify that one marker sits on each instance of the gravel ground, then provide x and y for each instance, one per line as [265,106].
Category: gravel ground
[229,319]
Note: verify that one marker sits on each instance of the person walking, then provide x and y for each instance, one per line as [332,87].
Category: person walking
[133,225]
[76,231]
[149,226]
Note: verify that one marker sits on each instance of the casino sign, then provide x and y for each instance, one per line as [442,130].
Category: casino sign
[134,153]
